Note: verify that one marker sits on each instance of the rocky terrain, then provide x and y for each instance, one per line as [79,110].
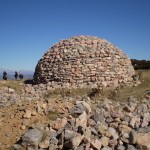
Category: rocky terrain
[23,107]
[85,96]
[34,117]
[109,126]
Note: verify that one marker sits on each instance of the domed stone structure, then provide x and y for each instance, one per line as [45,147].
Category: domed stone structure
[84,61]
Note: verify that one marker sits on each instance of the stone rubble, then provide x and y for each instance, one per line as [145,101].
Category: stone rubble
[111,125]
[30,92]
[84,61]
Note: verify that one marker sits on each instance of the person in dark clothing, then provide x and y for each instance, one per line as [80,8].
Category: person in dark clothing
[16,75]
[4,75]
[21,76]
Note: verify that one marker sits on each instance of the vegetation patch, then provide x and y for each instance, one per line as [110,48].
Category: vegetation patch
[118,94]
[52,115]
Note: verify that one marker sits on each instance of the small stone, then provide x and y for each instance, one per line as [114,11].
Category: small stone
[44,144]
[145,122]
[125,128]
[96,144]
[87,134]
[113,143]
[86,105]
[91,122]
[52,147]
[27,114]
[113,133]
[101,128]
[107,134]
[82,120]
[106,148]
[87,146]
[54,141]
[94,131]
[34,113]
[104,84]
[120,142]
[124,140]
[105,141]
[117,120]
[125,135]
[78,109]
[107,114]
[44,106]
[130,147]
[10,90]
[69,134]
[60,123]
[143,140]
[32,138]
[133,137]
[132,122]
[98,117]
[137,123]
[74,142]
[12,116]
[144,130]
[117,114]
[108,120]
[39,110]
[17,147]
[120,147]
[81,147]
[23,127]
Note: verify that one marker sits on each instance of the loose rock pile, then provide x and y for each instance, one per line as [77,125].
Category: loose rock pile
[29,92]
[83,61]
[118,125]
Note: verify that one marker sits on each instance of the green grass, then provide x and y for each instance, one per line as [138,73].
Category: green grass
[67,92]
[125,92]
[53,115]
[122,93]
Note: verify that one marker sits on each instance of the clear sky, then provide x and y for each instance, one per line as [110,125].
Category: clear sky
[29,27]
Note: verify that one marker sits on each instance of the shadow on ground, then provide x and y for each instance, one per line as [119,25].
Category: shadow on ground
[28,81]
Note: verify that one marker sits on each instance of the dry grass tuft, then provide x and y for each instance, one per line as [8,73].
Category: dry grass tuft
[118,94]
[17,85]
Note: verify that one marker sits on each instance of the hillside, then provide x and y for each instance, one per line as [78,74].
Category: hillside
[24,107]
[140,64]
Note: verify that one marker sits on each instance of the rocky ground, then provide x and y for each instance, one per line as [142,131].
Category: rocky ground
[118,125]
[37,117]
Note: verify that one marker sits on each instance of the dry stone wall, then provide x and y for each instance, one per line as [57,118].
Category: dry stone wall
[83,61]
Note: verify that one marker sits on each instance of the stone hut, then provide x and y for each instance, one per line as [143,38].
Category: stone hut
[84,61]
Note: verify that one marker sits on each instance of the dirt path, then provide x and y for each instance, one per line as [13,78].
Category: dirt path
[12,120]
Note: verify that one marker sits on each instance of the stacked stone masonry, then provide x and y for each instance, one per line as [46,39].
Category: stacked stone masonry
[84,61]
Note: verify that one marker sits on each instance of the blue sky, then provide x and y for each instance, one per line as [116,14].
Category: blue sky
[29,27]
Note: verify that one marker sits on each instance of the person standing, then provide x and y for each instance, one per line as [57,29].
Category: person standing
[4,75]
[21,76]
[16,75]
